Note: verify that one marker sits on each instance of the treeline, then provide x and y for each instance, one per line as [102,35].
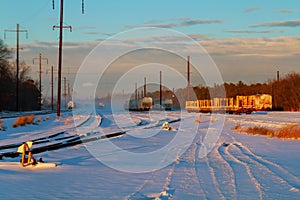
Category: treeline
[285,92]
[29,95]
[224,90]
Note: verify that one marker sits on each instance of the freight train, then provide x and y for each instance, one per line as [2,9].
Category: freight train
[146,104]
[143,104]
[238,104]
[168,104]
[70,105]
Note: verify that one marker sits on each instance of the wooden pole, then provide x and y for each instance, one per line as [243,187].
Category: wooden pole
[189,80]
[160,88]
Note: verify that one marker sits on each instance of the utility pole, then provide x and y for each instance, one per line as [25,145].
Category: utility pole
[61,27]
[275,92]
[17,61]
[136,96]
[160,88]
[52,86]
[69,90]
[188,79]
[40,58]
[145,87]
[65,91]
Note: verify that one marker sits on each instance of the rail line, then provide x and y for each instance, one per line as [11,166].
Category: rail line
[72,140]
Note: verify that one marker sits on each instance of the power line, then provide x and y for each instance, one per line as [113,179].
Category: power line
[40,58]
[17,61]
[61,27]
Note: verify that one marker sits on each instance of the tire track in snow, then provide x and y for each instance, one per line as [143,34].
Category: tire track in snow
[254,181]
[223,173]
[167,191]
[181,181]
[185,176]
[276,170]
[242,179]
[244,185]
[138,194]
[290,178]
[215,174]
[273,185]
[226,175]
[206,177]
[214,178]
[181,187]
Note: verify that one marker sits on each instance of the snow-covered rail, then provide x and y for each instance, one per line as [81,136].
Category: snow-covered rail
[53,142]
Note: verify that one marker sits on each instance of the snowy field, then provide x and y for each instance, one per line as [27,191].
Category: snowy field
[239,166]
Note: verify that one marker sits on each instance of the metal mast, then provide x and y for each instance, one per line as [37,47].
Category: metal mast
[40,58]
[60,50]
[52,85]
[145,87]
[160,88]
[188,79]
[17,61]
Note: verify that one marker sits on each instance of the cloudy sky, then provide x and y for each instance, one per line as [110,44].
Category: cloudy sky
[247,40]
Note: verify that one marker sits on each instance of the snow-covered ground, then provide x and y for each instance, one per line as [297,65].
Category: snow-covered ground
[239,166]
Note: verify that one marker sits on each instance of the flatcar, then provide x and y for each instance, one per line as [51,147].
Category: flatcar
[238,104]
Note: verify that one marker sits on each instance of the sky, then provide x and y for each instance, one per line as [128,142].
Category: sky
[247,40]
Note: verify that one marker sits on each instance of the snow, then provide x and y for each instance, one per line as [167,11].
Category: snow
[239,166]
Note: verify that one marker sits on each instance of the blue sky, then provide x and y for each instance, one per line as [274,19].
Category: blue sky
[248,40]
[110,17]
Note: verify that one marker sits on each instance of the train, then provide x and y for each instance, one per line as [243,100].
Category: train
[238,104]
[70,105]
[168,104]
[142,104]
[147,103]
[101,105]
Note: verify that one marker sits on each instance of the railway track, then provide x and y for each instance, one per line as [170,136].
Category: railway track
[62,139]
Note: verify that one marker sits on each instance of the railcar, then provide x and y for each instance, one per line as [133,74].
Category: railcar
[168,104]
[143,104]
[238,104]
[70,105]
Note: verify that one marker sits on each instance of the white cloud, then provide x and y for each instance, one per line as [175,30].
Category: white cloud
[254,8]
[175,22]
[254,32]
[292,23]
[238,58]
[256,47]
[287,11]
